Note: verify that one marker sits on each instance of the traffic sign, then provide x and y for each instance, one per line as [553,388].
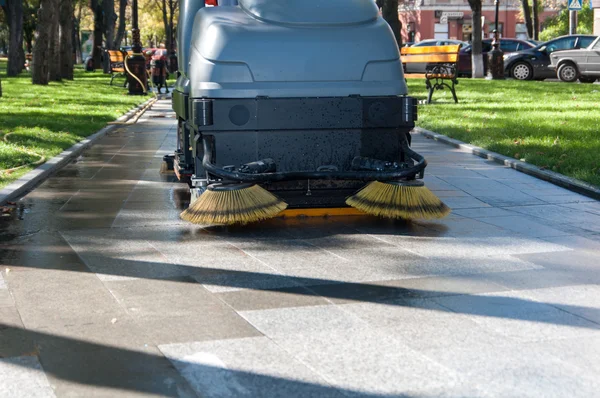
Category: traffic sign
[575,5]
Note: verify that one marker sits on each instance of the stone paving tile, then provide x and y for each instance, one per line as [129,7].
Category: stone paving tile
[246,300]
[592,207]
[423,324]
[44,300]
[582,352]
[467,202]
[245,367]
[371,361]
[516,370]
[522,226]
[516,316]
[13,343]
[580,300]
[161,299]
[536,278]
[584,243]
[579,263]
[107,371]
[462,227]
[23,377]
[473,248]
[560,214]
[483,212]
[288,254]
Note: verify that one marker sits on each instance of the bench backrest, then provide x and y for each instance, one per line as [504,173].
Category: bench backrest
[116,58]
[430,54]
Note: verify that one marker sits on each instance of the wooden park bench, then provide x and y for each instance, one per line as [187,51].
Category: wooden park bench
[117,65]
[441,66]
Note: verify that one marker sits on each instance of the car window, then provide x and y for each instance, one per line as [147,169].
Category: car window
[509,45]
[486,47]
[565,43]
[426,43]
[585,41]
[597,45]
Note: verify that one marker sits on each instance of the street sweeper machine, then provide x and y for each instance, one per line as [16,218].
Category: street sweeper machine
[294,104]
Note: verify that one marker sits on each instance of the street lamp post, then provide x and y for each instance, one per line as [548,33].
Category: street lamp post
[136,62]
[495,57]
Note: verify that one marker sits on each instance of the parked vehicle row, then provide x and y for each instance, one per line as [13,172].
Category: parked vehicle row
[507,46]
[570,58]
[535,63]
[582,64]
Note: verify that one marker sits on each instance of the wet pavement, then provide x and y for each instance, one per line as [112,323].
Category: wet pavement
[105,292]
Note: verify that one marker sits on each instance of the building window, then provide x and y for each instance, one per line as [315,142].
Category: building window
[441,31]
[493,26]
[521,31]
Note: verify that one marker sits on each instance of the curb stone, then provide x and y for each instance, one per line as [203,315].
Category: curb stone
[30,180]
[563,181]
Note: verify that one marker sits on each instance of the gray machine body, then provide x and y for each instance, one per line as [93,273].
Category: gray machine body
[311,84]
[293,48]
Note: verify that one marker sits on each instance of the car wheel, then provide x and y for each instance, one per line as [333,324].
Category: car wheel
[587,79]
[521,71]
[568,72]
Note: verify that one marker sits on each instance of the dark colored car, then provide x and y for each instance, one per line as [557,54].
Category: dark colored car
[535,62]
[506,45]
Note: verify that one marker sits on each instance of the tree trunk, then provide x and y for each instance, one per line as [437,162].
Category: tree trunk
[98,29]
[536,22]
[16,58]
[389,12]
[54,43]
[77,35]
[476,56]
[171,36]
[39,67]
[66,39]
[110,18]
[527,16]
[121,27]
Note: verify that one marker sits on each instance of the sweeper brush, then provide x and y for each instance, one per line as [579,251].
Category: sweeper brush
[233,204]
[294,104]
[399,199]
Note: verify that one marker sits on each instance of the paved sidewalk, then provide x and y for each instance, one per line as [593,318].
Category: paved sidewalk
[105,292]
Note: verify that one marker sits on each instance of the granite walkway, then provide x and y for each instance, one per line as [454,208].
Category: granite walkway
[105,292]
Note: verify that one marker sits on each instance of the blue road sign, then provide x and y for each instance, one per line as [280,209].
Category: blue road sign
[575,5]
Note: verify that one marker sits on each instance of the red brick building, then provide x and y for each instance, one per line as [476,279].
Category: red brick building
[451,19]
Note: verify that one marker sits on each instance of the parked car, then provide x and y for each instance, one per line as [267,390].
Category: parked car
[535,62]
[418,67]
[582,64]
[534,42]
[506,45]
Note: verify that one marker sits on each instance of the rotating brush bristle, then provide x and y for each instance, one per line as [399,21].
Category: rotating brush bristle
[233,204]
[399,199]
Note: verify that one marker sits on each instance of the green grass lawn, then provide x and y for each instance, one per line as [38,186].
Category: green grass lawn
[552,125]
[50,119]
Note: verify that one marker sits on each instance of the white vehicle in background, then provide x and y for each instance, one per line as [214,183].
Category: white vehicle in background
[582,64]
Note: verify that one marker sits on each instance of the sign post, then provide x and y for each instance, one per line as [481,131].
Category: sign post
[574,6]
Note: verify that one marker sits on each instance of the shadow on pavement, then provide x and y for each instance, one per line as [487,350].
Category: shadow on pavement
[151,373]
